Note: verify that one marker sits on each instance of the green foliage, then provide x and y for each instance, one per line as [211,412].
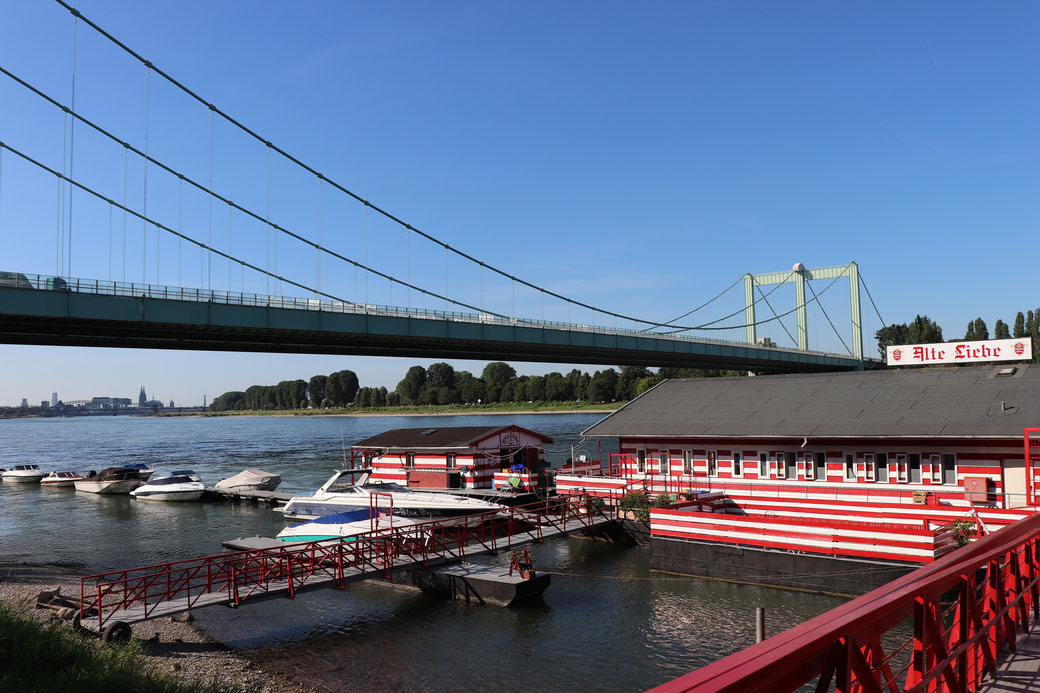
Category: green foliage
[1020,325]
[411,386]
[1001,331]
[637,503]
[627,381]
[964,531]
[316,389]
[662,500]
[342,387]
[229,401]
[50,657]
[603,386]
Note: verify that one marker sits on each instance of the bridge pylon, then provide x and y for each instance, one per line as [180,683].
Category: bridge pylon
[798,276]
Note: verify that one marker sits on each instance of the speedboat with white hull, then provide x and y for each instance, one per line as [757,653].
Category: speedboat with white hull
[335,498]
[23,474]
[111,481]
[344,526]
[171,486]
[57,479]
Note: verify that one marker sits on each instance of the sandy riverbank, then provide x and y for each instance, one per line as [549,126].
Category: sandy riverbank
[171,647]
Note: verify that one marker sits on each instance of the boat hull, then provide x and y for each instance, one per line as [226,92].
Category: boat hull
[108,487]
[22,479]
[58,484]
[172,496]
[310,510]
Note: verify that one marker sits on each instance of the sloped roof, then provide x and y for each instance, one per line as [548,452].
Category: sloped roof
[433,437]
[961,402]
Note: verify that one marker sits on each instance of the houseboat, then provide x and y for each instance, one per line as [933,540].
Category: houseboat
[460,457]
[795,456]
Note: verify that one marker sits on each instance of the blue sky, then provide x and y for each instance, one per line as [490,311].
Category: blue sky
[639,157]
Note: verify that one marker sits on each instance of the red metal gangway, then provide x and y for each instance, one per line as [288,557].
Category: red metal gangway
[966,610]
[136,594]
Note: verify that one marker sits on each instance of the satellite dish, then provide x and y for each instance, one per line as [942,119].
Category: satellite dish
[798,267]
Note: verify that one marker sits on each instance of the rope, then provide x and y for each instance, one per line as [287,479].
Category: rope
[215,110]
[691,312]
[864,283]
[824,310]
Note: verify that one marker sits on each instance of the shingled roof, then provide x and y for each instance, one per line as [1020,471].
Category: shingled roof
[432,437]
[963,402]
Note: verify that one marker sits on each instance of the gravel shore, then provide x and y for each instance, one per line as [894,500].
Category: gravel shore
[169,646]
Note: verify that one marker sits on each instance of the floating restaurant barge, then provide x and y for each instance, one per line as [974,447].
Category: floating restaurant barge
[776,477]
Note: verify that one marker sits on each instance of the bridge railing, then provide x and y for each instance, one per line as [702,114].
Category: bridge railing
[174,293]
[966,610]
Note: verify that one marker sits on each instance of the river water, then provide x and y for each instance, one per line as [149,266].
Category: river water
[605,623]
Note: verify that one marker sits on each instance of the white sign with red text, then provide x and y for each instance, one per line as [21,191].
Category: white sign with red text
[1019,349]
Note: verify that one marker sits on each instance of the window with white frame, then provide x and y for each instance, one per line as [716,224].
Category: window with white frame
[641,461]
[409,459]
[449,460]
[869,467]
[781,466]
[366,459]
[713,463]
[901,468]
[664,459]
[850,467]
[763,465]
[936,469]
[810,466]
[687,461]
[738,469]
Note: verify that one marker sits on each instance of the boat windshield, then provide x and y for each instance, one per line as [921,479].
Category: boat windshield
[25,468]
[378,487]
[172,479]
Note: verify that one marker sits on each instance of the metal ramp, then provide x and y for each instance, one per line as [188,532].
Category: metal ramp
[110,601]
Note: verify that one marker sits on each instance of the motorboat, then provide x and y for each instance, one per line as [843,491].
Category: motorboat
[182,485]
[249,480]
[344,525]
[55,479]
[111,481]
[143,469]
[337,497]
[23,474]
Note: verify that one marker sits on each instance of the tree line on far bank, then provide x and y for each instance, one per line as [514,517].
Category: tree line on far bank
[441,384]
[924,330]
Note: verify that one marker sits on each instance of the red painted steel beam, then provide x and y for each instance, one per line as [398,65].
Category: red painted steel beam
[790,659]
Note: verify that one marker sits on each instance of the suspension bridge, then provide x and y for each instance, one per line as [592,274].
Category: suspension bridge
[292,310]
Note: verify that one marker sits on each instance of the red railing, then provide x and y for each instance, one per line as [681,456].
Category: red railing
[244,574]
[966,610]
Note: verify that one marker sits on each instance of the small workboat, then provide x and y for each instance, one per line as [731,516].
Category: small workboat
[344,526]
[249,480]
[183,485]
[60,479]
[111,481]
[23,474]
[143,469]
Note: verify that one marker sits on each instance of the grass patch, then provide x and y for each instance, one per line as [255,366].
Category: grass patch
[50,657]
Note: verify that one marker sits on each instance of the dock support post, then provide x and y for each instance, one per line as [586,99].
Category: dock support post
[760,623]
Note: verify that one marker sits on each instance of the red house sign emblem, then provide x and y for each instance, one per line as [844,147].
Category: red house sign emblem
[1019,348]
[897,354]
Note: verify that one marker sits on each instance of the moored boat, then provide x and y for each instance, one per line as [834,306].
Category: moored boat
[335,497]
[344,526]
[249,480]
[55,479]
[142,469]
[23,474]
[113,480]
[182,485]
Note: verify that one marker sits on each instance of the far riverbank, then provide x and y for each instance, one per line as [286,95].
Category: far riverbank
[439,410]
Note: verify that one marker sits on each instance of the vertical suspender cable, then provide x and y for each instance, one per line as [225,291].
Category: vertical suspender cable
[209,271]
[110,241]
[72,143]
[126,150]
[61,187]
[57,232]
[180,226]
[267,229]
[1,187]
[408,262]
[366,253]
[229,248]
[514,299]
[447,306]
[317,250]
[482,287]
[144,224]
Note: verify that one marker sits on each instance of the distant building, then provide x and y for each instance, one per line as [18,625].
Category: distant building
[110,402]
[142,398]
[45,404]
[25,403]
[54,399]
[171,404]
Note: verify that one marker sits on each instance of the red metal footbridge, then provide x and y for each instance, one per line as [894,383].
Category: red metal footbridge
[966,612]
[110,601]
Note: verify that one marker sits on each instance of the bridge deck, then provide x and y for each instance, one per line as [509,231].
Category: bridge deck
[1021,670]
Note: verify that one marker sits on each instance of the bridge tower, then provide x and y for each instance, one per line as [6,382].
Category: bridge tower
[798,276]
